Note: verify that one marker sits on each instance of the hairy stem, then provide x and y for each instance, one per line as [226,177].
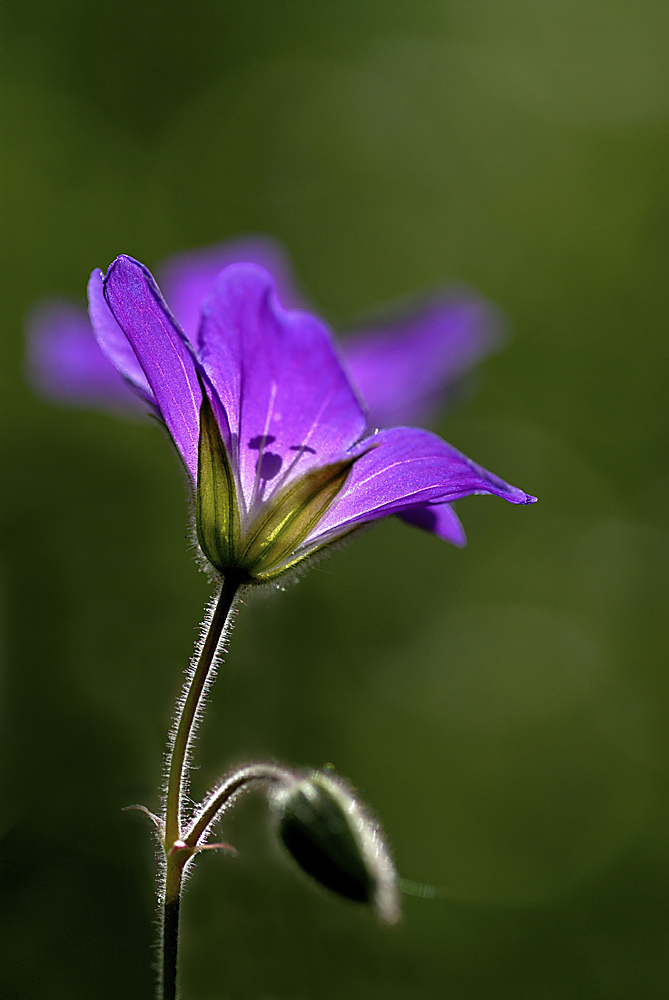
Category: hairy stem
[176,852]
[230,787]
[170,931]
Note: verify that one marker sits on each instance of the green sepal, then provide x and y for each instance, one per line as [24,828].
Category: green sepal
[289,519]
[270,544]
[216,511]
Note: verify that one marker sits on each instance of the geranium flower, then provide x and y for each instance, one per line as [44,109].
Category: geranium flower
[404,367]
[275,440]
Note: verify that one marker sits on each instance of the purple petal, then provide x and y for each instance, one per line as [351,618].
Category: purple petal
[287,397]
[161,349]
[112,342]
[438,518]
[188,279]
[403,468]
[66,363]
[406,370]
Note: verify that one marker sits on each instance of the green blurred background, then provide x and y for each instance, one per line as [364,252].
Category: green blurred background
[503,708]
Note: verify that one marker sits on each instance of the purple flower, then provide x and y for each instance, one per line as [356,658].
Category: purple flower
[272,433]
[403,369]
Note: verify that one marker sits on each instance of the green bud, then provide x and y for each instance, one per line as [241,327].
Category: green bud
[329,834]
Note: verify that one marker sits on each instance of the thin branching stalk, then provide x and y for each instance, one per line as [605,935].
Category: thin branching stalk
[223,795]
[177,853]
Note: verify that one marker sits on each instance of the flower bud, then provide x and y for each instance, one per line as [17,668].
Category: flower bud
[333,839]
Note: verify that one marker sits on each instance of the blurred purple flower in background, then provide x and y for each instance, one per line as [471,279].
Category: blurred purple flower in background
[404,368]
[271,375]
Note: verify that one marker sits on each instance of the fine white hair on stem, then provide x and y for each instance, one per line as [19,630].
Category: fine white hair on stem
[226,792]
[221,650]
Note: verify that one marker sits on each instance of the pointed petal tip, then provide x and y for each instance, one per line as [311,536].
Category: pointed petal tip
[512,494]
[111,267]
[124,262]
